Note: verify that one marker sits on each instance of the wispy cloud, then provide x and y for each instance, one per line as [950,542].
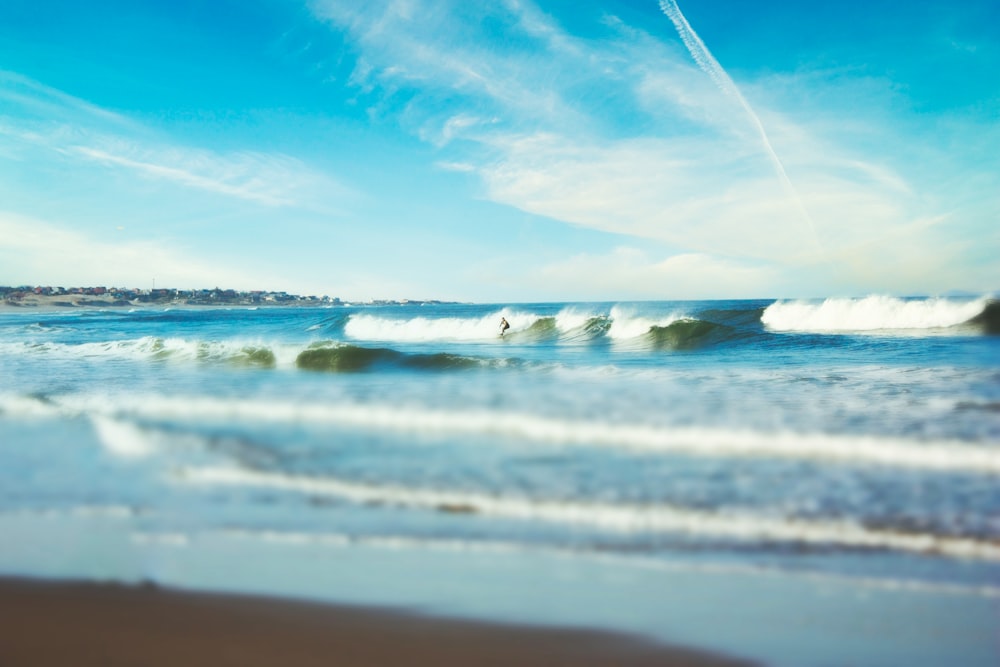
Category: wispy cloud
[712,198]
[36,100]
[631,273]
[42,118]
[265,179]
[628,134]
[426,50]
[572,122]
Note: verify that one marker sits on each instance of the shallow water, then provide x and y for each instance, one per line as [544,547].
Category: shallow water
[846,439]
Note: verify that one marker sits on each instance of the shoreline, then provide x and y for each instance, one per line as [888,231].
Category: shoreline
[63,303]
[55,622]
[32,302]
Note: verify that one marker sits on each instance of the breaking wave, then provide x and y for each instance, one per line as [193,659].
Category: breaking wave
[989,319]
[626,325]
[569,326]
[156,348]
[878,313]
[367,327]
[322,356]
[361,340]
[687,334]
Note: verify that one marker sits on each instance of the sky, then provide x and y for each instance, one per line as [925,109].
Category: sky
[503,151]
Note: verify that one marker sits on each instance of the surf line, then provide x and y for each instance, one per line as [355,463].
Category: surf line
[710,66]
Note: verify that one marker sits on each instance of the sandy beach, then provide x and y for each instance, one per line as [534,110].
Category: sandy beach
[48,304]
[47,623]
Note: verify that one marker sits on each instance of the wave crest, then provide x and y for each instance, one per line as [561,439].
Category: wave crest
[687,334]
[872,313]
[366,327]
[524,327]
[353,359]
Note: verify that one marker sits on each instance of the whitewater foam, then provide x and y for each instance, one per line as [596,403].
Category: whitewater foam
[618,518]
[571,319]
[627,325]
[872,313]
[251,352]
[624,325]
[365,327]
[21,406]
[940,455]
[122,439]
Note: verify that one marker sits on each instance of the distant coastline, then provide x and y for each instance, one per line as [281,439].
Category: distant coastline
[52,298]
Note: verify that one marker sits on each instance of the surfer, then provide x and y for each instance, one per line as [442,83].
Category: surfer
[503,325]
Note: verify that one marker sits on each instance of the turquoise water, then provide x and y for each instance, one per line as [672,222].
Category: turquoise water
[853,441]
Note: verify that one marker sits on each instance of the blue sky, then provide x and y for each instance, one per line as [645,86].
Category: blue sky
[503,151]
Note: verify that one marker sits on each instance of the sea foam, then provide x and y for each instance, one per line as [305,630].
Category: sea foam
[872,313]
[121,438]
[628,325]
[519,426]
[620,324]
[612,517]
[363,326]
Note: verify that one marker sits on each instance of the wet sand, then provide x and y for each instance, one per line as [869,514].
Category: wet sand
[83,624]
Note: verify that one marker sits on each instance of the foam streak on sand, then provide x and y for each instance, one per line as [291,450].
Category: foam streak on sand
[621,518]
[337,540]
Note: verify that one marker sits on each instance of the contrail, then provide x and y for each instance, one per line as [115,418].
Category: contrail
[708,64]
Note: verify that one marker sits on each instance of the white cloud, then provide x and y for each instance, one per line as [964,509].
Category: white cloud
[867,228]
[662,190]
[630,273]
[627,134]
[38,252]
[612,129]
[455,126]
[461,167]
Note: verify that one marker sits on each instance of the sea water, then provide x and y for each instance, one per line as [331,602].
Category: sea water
[645,454]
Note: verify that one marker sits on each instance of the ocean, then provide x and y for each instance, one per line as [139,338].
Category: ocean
[750,476]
